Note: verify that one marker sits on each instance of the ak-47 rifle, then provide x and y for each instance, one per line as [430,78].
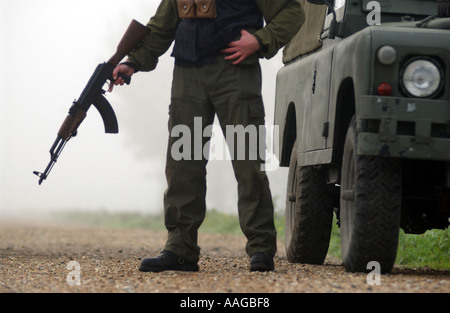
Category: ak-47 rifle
[93,95]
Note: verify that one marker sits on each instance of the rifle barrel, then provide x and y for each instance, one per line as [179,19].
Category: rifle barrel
[55,152]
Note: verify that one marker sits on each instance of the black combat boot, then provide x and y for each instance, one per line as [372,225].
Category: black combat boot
[167,261]
[261,262]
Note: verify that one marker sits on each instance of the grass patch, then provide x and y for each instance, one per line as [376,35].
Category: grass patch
[431,249]
[113,220]
[215,221]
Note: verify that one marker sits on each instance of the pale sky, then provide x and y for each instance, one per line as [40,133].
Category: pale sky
[49,49]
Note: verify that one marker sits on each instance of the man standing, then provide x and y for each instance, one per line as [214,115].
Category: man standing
[217,48]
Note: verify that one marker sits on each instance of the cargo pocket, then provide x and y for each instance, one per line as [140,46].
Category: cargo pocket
[257,114]
[257,109]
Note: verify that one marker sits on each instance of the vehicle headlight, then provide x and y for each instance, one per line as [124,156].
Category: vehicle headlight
[421,78]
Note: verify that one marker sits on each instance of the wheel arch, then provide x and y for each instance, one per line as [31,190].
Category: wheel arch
[345,109]
[289,135]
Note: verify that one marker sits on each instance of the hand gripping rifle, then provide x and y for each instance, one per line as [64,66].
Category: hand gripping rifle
[93,95]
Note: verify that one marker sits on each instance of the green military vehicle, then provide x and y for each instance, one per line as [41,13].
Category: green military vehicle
[363,109]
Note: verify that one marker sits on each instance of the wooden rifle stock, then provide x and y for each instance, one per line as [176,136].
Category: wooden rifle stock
[132,37]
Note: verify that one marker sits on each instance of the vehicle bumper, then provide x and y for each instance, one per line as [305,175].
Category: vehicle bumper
[404,128]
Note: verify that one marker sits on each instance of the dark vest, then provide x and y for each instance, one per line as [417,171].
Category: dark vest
[199,41]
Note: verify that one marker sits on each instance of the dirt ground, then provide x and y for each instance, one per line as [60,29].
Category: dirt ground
[36,258]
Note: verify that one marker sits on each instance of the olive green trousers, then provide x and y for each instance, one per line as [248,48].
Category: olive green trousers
[233,93]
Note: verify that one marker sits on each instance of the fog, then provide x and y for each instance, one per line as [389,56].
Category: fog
[49,49]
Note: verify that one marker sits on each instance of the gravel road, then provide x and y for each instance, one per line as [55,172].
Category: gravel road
[34,259]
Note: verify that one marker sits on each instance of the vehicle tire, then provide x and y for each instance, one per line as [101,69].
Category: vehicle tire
[370,207]
[309,213]
[443,8]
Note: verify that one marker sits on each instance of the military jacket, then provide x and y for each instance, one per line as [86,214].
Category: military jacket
[283,19]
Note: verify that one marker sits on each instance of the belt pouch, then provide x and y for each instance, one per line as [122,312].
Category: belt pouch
[186,8]
[206,9]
